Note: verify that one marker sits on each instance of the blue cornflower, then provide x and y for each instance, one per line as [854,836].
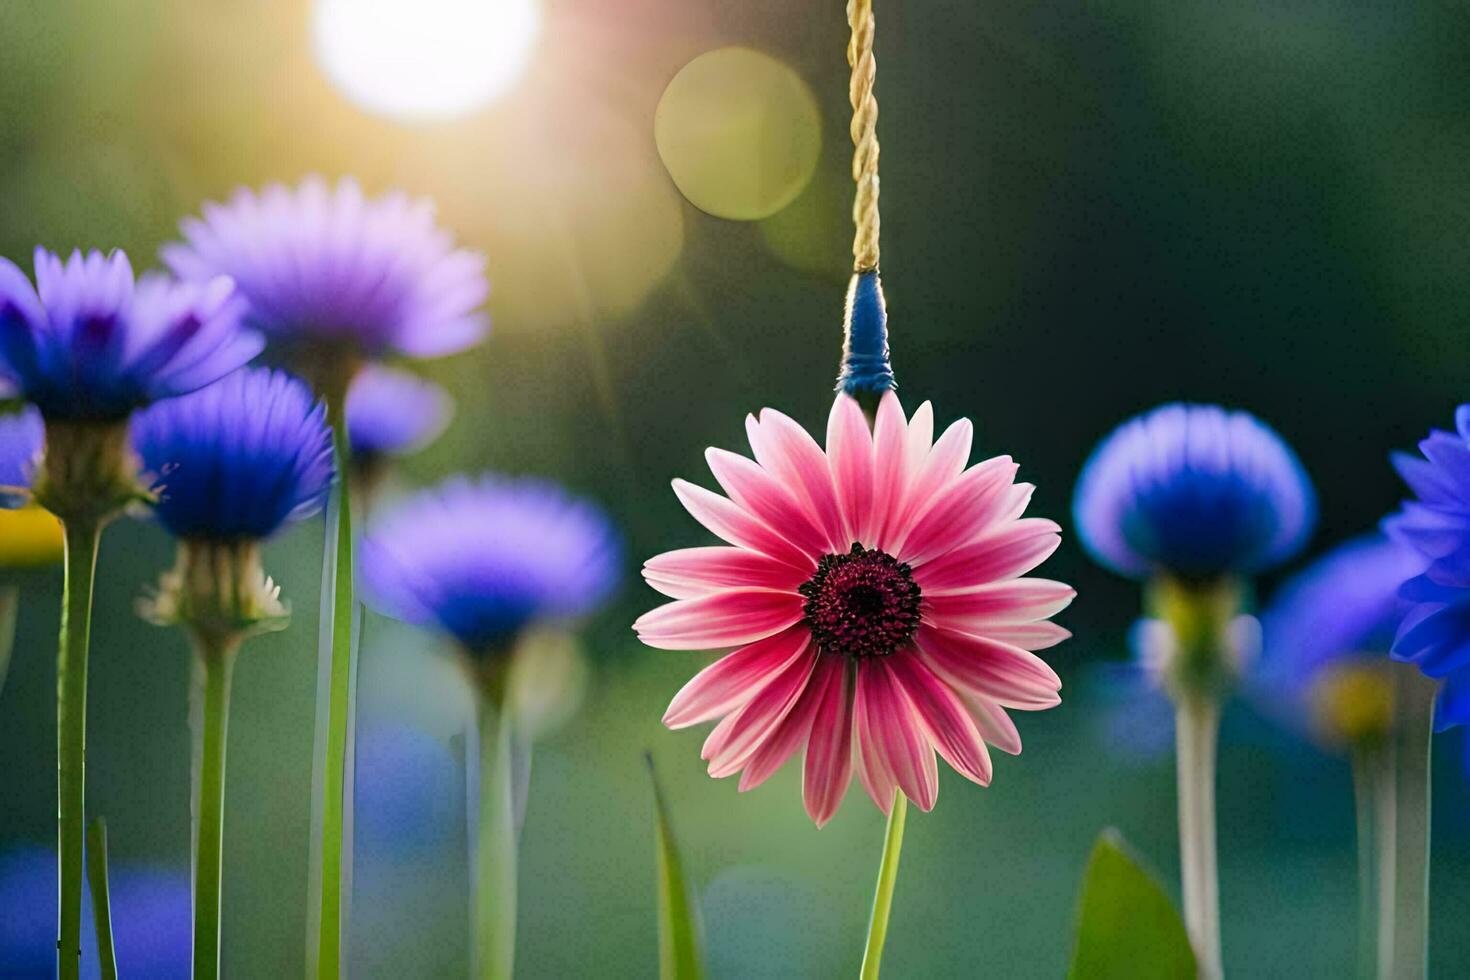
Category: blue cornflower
[239,459]
[150,919]
[394,413]
[482,559]
[1435,635]
[21,437]
[1195,492]
[90,344]
[1327,637]
[323,267]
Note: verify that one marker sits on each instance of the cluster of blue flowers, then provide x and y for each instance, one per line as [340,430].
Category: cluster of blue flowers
[1200,495]
[132,389]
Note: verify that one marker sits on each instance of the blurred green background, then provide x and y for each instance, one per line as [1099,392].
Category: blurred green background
[1088,210]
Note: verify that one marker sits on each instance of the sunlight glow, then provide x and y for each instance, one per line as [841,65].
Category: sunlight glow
[424,60]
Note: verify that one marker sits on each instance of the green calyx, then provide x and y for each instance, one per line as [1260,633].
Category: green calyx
[219,590]
[88,473]
[1203,661]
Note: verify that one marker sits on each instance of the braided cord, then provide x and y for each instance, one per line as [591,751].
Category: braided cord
[864,130]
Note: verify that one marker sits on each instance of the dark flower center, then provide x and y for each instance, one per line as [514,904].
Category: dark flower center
[863,604]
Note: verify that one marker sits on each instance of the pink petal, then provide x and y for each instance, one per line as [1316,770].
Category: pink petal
[1029,636]
[692,572]
[791,733]
[966,508]
[872,768]
[827,770]
[919,439]
[733,680]
[1018,600]
[942,717]
[890,463]
[725,619]
[738,526]
[755,722]
[994,724]
[894,732]
[758,492]
[1011,551]
[976,665]
[850,455]
[784,449]
[940,467]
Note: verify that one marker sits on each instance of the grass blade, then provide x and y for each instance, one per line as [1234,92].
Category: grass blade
[678,915]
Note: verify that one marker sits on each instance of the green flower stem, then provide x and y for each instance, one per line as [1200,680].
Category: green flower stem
[81,539]
[883,895]
[495,852]
[9,608]
[101,897]
[329,958]
[1413,726]
[1373,795]
[217,665]
[1197,727]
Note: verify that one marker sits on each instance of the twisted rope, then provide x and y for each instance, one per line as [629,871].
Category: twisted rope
[864,130]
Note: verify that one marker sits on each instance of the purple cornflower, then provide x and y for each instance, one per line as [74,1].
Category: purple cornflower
[325,269]
[90,344]
[239,459]
[1194,492]
[394,413]
[482,559]
[1435,635]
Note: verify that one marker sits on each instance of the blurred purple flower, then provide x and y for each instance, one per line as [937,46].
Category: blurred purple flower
[1345,606]
[322,266]
[394,413]
[87,343]
[150,919]
[238,459]
[482,559]
[1193,491]
[408,790]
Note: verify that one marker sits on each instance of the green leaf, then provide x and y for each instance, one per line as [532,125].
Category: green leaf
[1127,928]
[678,916]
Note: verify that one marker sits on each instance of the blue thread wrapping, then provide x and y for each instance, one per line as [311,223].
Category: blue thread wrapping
[866,368]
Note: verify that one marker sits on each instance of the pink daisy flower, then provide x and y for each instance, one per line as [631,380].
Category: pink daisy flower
[874,592]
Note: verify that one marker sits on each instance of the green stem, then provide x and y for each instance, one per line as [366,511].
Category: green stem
[217,665]
[1414,725]
[495,853]
[101,897]
[1373,794]
[9,607]
[1197,726]
[81,539]
[883,895]
[339,710]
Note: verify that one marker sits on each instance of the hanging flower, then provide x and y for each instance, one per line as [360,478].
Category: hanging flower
[482,559]
[875,593]
[1435,634]
[1194,492]
[235,462]
[331,275]
[394,413]
[1328,633]
[87,343]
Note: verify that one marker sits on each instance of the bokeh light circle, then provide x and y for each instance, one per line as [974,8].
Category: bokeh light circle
[423,60]
[739,133]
